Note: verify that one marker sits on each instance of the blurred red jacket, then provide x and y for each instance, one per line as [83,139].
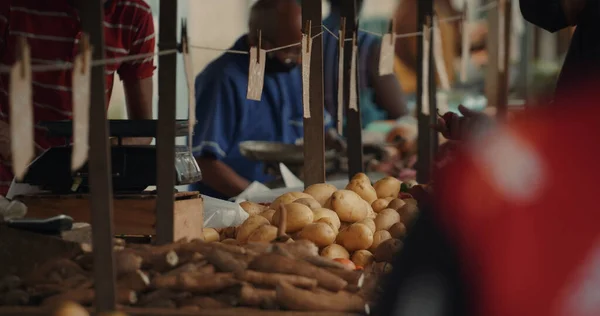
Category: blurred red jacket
[520,204]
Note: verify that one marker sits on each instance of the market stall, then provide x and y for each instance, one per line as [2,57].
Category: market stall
[321,250]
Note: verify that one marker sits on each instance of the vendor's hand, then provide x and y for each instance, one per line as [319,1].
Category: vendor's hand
[455,127]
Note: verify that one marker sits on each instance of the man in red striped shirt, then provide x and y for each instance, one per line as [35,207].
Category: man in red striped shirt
[53,30]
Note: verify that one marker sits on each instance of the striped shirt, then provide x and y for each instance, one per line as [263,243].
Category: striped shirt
[367,44]
[52,30]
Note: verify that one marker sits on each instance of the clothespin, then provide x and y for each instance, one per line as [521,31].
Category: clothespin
[23,55]
[259,46]
[84,47]
[308,32]
[343,30]
[428,25]
[393,31]
[184,37]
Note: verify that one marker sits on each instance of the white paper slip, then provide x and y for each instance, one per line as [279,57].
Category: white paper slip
[353,80]
[256,74]
[438,56]
[386,55]
[340,92]
[465,56]
[189,76]
[425,63]
[306,54]
[21,111]
[82,70]
[289,178]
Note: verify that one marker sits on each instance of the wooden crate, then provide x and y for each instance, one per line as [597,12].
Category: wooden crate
[134,214]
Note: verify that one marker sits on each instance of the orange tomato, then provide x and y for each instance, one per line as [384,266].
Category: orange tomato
[347,263]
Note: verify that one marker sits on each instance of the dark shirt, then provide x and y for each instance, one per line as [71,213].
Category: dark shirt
[583,58]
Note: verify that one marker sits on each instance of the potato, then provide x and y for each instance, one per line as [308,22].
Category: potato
[228,232]
[268,214]
[248,226]
[328,221]
[363,258]
[379,205]
[361,177]
[386,251]
[410,201]
[379,237]
[298,216]
[288,198]
[335,251]
[344,226]
[210,234]
[348,205]
[356,237]
[320,233]
[321,192]
[252,208]
[230,241]
[389,198]
[386,218]
[370,213]
[408,213]
[265,233]
[363,189]
[310,202]
[387,187]
[395,204]
[370,223]
[398,231]
[324,212]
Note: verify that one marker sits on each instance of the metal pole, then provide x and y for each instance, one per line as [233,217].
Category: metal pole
[165,140]
[428,138]
[100,169]
[354,126]
[314,133]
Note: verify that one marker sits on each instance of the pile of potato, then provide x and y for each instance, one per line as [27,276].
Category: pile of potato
[359,225]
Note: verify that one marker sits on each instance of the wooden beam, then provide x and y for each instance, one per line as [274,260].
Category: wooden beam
[314,132]
[504,74]
[165,140]
[353,119]
[100,169]
[428,138]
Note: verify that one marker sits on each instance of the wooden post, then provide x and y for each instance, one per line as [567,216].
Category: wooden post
[428,138]
[503,74]
[100,169]
[165,141]
[354,126]
[314,132]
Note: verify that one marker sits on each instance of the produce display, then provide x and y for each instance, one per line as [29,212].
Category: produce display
[364,223]
[321,250]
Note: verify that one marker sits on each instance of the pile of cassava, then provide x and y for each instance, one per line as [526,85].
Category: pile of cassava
[358,226]
[200,275]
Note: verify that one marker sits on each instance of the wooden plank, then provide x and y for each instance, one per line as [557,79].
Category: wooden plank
[492,84]
[92,18]
[133,214]
[314,132]
[165,141]
[353,119]
[504,75]
[428,138]
[38,311]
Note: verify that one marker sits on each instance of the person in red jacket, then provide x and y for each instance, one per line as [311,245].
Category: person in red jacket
[512,228]
[52,30]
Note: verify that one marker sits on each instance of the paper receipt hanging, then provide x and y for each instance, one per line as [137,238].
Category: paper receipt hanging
[306,54]
[438,53]
[256,74]
[353,102]
[82,68]
[425,63]
[21,111]
[386,55]
[340,92]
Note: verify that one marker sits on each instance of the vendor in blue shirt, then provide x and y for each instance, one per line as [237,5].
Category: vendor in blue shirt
[380,96]
[226,118]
